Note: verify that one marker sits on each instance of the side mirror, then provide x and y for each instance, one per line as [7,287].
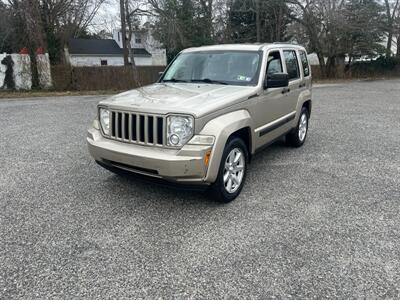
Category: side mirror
[276,80]
[160,74]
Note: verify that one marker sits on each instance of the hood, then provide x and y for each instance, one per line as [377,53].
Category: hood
[189,98]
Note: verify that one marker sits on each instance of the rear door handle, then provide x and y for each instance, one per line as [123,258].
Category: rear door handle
[285,90]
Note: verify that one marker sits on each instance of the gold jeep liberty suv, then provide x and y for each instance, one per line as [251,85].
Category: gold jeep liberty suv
[209,112]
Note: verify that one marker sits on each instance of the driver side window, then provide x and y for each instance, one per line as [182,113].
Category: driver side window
[274,63]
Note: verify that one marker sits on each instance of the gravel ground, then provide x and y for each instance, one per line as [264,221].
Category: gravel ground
[317,222]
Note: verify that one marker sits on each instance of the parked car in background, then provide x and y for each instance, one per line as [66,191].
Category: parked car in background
[212,109]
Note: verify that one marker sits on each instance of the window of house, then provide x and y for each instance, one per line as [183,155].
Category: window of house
[138,40]
[304,63]
[292,64]
[103,62]
[274,63]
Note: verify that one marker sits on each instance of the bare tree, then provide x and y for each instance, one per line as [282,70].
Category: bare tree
[323,22]
[50,23]
[28,12]
[392,13]
[174,36]
[134,10]
[123,30]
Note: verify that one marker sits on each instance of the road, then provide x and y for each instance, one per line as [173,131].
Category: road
[322,221]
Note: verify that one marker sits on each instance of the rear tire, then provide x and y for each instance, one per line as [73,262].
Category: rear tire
[232,171]
[297,136]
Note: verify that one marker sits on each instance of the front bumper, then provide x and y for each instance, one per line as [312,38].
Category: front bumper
[184,165]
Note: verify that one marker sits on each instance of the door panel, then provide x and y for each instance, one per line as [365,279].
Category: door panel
[295,78]
[271,105]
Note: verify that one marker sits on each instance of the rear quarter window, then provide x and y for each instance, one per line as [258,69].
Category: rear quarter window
[304,63]
[292,64]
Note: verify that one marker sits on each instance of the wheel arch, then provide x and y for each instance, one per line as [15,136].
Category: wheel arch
[308,105]
[238,123]
[304,99]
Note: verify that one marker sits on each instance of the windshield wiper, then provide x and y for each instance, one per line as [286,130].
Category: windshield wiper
[174,80]
[207,80]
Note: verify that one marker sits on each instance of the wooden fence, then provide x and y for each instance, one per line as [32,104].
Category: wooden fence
[102,78]
[121,78]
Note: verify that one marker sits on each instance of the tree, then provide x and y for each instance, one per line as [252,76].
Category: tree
[132,14]
[338,28]
[257,20]
[362,28]
[7,30]
[183,23]
[123,30]
[50,23]
[27,13]
[309,15]
[392,8]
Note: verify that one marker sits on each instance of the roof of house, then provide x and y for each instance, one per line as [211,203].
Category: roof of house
[100,47]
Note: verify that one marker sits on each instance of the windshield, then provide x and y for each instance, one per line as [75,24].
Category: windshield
[219,67]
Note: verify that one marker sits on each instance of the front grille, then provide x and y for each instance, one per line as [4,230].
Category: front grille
[137,128]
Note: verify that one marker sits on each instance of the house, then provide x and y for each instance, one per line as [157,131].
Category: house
[108,52]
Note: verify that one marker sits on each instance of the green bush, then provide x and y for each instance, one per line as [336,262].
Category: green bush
[381,65]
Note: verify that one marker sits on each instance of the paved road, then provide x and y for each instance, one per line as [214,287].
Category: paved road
[322,221]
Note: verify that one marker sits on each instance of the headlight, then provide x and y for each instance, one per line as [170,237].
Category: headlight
[179,130]
[105,120]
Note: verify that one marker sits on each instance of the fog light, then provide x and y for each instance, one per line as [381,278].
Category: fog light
[174,139]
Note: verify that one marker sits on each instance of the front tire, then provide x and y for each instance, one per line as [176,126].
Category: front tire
[298,135]
[232,171]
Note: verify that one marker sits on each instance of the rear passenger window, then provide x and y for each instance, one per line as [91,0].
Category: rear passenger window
[292,65]
[304,63]
[274,64]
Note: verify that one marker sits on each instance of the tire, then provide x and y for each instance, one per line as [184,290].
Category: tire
[297,137]
[225,189]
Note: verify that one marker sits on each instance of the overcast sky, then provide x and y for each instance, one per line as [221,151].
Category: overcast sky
[107,18]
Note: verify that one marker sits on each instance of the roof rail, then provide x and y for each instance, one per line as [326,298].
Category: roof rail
[286,43]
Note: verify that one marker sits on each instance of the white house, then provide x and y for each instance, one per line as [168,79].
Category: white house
[108,52]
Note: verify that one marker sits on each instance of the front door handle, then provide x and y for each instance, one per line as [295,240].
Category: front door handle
[285,90]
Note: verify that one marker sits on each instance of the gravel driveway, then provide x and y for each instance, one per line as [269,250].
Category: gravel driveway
[318,222]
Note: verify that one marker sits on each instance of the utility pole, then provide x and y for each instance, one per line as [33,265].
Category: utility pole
[123,31]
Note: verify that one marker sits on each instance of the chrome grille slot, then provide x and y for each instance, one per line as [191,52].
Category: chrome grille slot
[119,125]
[160,129]
[141,128]
[125,136]
[144,129]
[150,129]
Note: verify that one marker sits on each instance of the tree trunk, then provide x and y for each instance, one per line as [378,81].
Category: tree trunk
[389,45]
[123,31]
[34,69]
[331,69]
[347,68]
[130,49]
[258,21]
[322,65]
[36,37]
[398,47]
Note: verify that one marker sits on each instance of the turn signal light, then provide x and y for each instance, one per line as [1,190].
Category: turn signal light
[207,158]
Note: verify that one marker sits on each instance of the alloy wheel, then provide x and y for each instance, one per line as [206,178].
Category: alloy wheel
[234,170]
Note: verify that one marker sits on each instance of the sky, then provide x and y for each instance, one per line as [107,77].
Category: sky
[107,17]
